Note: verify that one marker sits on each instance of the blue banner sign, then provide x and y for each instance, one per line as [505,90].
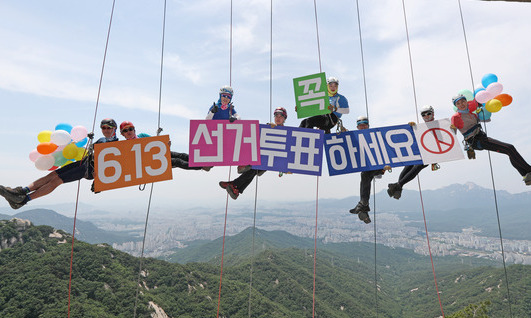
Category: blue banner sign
[291,149]
[371,149]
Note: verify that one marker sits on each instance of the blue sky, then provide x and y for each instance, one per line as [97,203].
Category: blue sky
[51,55]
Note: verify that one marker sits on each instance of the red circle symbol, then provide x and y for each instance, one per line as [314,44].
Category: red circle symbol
[440,145]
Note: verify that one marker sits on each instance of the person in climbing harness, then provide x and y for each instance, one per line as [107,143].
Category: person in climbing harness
[338,107]
[238,185]
[223,109]
[410,172]
[476,139]
[19,196]
[178,159]
[362,208]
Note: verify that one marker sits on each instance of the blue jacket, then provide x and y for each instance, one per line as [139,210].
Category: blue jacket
[221,113]
[341,103]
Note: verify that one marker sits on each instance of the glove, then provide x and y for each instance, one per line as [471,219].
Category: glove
[214,108]
[453,128]
[232,118]
[92,188]
[412,123]
[471,153]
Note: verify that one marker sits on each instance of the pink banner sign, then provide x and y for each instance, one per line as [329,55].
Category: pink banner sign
[222,143]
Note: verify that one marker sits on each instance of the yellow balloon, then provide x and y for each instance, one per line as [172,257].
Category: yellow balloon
[80,153]
[70,151]
[44,136]
[493,105]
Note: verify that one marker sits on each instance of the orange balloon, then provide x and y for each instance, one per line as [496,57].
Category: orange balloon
[505,99]
[45,148]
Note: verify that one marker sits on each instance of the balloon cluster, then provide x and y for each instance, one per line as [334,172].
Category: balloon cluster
[489,93]
[60,147]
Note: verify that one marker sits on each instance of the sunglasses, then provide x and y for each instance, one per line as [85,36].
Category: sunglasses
[226,96]
[106,127]
[426,114]
[127,129]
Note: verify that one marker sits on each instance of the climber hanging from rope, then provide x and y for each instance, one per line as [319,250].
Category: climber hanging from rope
[410,172]
[362,208]
[338,107]
[238,185]
[178,159]
[467,121]
[19,196]
[223,109]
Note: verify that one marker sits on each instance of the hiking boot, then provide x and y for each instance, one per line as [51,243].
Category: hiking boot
[12,195]
[233,192]
[17,190]
[364,216]
[242,169]
[360,208]
[17,205]
[394,190]
[527,178]
[224,184]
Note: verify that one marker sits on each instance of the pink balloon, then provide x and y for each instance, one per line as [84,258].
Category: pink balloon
[34,154]
[495,89]
[484,96]
[78,133]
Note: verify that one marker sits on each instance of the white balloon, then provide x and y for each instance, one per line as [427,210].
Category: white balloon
[495,89]
[60,137]
[44,162]
[78,133]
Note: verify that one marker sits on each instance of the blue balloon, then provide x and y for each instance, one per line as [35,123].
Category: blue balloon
[64,126]
[82,142]
[488,79]
[478,90]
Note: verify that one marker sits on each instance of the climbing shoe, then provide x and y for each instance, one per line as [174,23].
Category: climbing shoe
[360,208]
[394,190]
[233,191]
[364,216]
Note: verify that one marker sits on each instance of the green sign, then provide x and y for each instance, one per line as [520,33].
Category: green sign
[311,95]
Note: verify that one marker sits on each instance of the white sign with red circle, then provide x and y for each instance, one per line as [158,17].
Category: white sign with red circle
[437,142]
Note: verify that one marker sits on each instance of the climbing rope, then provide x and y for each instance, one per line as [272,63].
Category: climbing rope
[317,177]
[87,147]
[270,120]
[418,178]
[491,168]
[374,181]
[252,249]
[227,197]
[142,253]
[159,130]
[375,247]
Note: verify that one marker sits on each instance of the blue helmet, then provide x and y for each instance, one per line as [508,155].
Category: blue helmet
[362,120]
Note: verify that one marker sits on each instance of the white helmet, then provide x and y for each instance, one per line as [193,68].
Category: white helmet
[226,90]
[362,120]
[332,79]
[426,108]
